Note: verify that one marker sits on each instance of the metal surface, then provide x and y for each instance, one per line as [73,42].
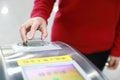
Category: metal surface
[9,69]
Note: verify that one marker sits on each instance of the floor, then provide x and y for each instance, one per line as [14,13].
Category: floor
[14,12]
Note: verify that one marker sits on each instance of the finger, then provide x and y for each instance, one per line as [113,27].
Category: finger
[116,64]
[33,30]
[23,33]
[44,32]
[24,30]
[113,63]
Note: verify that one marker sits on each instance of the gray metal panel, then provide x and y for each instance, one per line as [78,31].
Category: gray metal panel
[2,73]
[10,57]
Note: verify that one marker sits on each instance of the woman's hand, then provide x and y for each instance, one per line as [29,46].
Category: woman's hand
[32,25]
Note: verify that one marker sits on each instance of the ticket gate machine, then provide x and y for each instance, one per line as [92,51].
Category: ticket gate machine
[46,61]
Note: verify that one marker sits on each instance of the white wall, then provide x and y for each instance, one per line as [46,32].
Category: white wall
[18,12]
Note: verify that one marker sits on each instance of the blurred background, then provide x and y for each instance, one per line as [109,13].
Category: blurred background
[15,12]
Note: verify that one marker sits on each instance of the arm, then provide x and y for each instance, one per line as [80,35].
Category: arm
[42,8]
[115,52]
[38,21]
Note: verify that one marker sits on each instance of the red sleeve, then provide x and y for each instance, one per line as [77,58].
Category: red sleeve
[42,8]
[116,47]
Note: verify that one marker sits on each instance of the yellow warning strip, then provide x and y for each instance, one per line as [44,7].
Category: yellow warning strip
[43,60]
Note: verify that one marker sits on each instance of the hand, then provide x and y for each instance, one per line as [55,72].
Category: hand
[32,25]
[114,62]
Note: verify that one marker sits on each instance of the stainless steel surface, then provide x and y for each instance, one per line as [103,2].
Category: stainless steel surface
[2,72]
[13,72]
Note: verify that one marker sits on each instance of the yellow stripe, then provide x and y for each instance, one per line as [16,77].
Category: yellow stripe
[43,60]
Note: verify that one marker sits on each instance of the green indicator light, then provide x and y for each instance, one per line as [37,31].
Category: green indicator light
[56,78]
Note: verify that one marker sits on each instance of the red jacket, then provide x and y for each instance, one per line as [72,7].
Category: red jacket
[87,25]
